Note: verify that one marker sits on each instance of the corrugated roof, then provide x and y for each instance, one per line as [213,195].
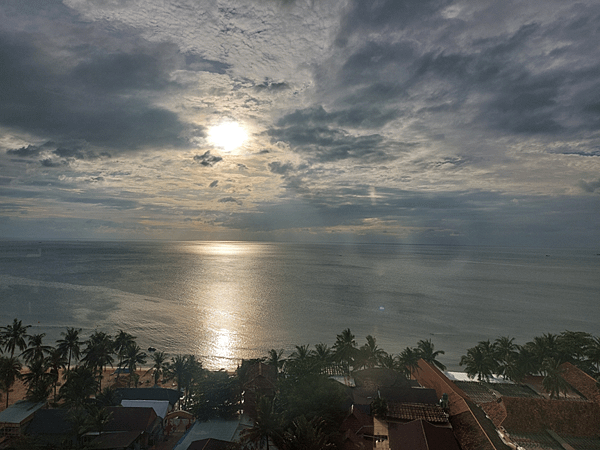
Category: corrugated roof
[50,422]
[19,412]
[153,393]
[160,407]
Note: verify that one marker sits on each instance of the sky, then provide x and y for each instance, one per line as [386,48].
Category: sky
[403,121]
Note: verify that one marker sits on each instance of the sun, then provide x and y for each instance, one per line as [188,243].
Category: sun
[228,136]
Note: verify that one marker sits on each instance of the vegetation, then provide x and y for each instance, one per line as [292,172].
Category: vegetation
[305,407]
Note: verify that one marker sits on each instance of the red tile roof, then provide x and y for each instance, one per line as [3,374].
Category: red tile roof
[421,435]
[523,415]
[581,381]
[416,411]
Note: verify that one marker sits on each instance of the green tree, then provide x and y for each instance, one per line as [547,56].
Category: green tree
[572,347]
[300,362]
[553,382]
[215,395]
[370,353]
[506,355]
[388,361]
[593,354]
[80,384]
[55,361]
[10,372]
[427,352]
[38,381]
[70,345]
[98,353]
[275,358]
[304,434]
[159,365]
[36,348]
[13,336]
[98,418]
[379,407]
[345,349]
[108,397]
[266,427]
[323,357]
[408,361]
[121,344]
[542,347]
[479,361]
[134,356]
[313,396]
[185,369]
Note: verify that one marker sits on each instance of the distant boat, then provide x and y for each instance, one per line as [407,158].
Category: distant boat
[151,349]
[35,255]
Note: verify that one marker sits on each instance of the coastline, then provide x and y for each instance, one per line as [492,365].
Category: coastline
[109,379]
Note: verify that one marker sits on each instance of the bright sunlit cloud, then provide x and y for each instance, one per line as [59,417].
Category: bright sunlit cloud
[228,136]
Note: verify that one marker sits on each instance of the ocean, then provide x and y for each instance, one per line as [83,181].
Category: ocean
[224,301]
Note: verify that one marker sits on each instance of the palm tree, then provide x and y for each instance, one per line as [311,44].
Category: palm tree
[553,381]
[345,349]
[505,354]
[266,427]
[306,434]
[379,407]
[542,347]
[98,353]
[159,360]
[408,361]
[55,361]
[388,361]
[36,348]
[479,361]
[134,356]
[98,418]
[185,369]
[13,336]
[121,343]
[275,359]
[70,345]
[593,353]
[427,352]
[108,397]
[323,356]
[80,383]
[370,353]
[38,381]
[300,362]
[573,345]
[10,371]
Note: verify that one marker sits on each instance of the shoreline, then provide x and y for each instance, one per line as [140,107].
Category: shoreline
[109,379]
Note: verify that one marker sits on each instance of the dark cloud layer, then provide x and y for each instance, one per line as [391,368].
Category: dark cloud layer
[84,99]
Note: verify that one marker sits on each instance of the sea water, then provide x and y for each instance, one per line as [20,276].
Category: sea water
[224,301]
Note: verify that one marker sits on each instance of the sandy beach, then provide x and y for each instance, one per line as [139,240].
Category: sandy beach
[109,379]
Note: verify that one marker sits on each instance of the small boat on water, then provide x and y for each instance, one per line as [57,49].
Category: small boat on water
[151,349]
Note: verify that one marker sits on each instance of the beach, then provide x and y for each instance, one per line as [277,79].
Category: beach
[109,379]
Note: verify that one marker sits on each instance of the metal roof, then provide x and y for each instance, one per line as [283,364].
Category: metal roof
[19,412]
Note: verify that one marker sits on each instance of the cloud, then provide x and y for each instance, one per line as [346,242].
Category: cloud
[229,200]
[207,159]
[98,97]
[590,186]
[280,168]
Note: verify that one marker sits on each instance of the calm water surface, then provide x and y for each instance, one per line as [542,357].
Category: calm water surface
[224,301]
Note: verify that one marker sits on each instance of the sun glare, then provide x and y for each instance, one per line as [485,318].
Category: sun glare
[228,136]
